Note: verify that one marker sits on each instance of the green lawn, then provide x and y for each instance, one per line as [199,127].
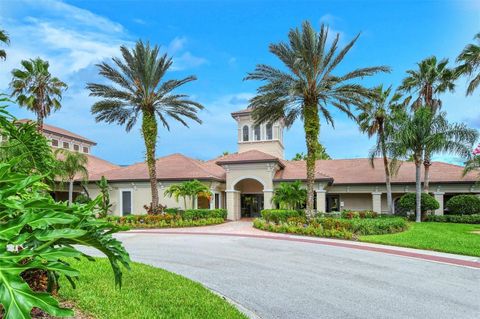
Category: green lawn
[147,292]
[444,237]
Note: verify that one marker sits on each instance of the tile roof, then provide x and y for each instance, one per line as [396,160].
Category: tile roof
[171,167]
[60,131]
[242,112]
[252,156]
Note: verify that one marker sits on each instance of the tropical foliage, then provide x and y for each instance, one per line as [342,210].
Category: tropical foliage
[290,195]
[320,154]
[422,132]
[71,166]
[140,90]
[431,79]
[463,205]
[4,39]
[377,119]
[188,190]
[309,87]
[38,235]
[105,205]
[36,89]
[470,64]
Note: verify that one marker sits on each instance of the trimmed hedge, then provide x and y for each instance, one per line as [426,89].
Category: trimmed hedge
[460,219]
[195,214]
[280,215]
[463,205]
[408,202]
[310,230]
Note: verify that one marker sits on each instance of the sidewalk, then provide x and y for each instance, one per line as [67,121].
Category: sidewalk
[244,228]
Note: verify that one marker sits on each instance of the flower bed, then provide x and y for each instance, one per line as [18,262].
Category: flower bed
[188,218]
[350,225]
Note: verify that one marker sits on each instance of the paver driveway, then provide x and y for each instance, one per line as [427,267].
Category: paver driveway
[287,279]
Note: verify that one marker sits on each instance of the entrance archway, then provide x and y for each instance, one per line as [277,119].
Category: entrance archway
[251,197]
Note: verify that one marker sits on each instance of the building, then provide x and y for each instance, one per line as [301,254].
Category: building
[244,182]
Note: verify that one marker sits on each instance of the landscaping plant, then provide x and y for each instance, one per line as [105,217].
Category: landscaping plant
[289,195]
[408,203]
[463,205]
[105,205]
[189,189]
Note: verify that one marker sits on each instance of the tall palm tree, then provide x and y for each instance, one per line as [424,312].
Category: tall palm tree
[5,39]
[36,89]
[71,166]
[424,131]
[427,82]
[138,91]
[376,120]
[470,59]
[308,87]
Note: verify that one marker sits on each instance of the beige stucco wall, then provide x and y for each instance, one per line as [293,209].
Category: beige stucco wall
[274,148]
[141,195]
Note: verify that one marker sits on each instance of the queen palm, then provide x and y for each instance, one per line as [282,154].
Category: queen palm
[470,64]
[422,132]
[36,89]
[432,78]
[140,91]
[308,87]
[71,165]
[376,120]
[5,39]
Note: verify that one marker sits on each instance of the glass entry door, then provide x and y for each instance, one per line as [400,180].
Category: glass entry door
[333,203]
[251,205]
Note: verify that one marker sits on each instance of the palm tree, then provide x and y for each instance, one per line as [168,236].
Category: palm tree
[138,90]
[422,132]
[36,89]
[470,59]
[71,166]
[5,39]
[190,189]
[375,119]
[431,79]
[308,87]
[289,195]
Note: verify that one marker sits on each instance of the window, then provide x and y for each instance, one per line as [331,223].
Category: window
[76,148]
[256,131]
[269,131]
[55,143]
[217,201]
[66,145]
[245,133]
[85,150]
[126,202]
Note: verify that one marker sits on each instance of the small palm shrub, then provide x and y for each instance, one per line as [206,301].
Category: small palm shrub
[289,195]
[463,205]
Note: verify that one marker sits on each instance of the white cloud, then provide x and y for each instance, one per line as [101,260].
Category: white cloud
[177,44]
[186,61]
[139,21]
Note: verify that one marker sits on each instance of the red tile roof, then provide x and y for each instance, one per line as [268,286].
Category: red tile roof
[60,131]
[252,156]
[172,167]
[242,112]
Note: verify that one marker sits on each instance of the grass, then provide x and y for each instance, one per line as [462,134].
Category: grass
[147,292]
[443,237]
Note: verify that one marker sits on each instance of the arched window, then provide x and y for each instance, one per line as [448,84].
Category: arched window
[269,131]
[245,133]
[256,131]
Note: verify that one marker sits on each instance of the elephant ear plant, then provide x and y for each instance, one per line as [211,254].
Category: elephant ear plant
[39,236]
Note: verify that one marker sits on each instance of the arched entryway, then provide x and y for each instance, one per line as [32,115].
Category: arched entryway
[251,197]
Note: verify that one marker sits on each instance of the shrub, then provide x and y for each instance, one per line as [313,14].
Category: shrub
[195,214]
[310,230]
[280,215]
[408,202]
[462,219]
[172,211]
[348,214]
[82,199]
[463,205]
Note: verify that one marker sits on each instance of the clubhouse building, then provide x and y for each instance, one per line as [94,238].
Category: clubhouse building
[244,182]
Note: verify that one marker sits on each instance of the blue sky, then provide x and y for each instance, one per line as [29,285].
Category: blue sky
[219,42]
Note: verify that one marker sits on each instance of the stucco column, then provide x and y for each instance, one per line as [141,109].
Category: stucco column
[233,204]
[439,197]
[321,200]
[212,200]
[267,199]
[377,202]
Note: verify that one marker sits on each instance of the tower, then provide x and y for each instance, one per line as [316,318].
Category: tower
[266,137]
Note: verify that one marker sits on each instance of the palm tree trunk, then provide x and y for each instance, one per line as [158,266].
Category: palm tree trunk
[427,163]
[149,131]
[418,191]
[388,183]
[70,192]
[311,124]
[40,122]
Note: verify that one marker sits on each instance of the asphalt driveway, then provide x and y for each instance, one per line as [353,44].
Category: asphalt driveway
[284,279]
